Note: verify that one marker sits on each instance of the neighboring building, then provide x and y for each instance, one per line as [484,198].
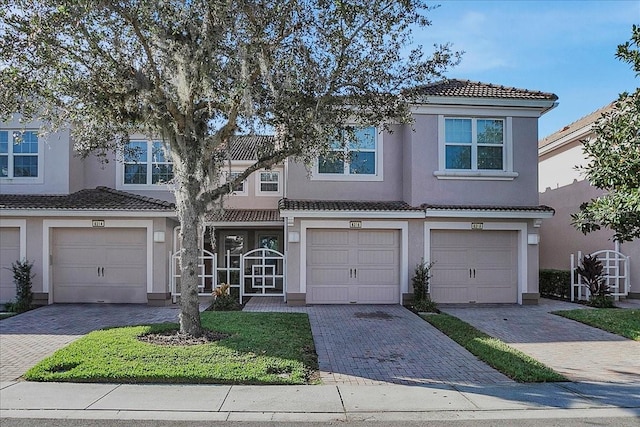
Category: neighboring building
[564,188]
[458,188]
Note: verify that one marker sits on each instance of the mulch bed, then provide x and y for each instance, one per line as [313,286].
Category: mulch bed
[176,338]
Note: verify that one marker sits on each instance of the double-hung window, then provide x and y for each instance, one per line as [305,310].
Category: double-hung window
[146,163]
[239,189]
[475,148]
[474,144]
[268,183]
[18,154]
[355,152]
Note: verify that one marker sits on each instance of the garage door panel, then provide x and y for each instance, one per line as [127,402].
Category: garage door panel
[99,265]
[474,266]
[329,294]
[328,276]
[328,256]
[9,253]
[375,294]
[377,257]
[329,237]
[376,238]
[361,266]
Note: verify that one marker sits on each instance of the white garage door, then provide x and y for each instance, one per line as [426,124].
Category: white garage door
[353,266]
[9,253]
[99,265]
[474,266]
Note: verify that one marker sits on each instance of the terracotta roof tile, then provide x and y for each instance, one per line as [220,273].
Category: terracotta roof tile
[344,205]
[250,147]
[100,198]
[587,120]
[472,89]
[245,215]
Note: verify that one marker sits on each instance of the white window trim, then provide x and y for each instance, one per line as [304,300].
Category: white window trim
[258,181]
[507,174]
[378,176]
[23,179]
[120,185]
[245,184]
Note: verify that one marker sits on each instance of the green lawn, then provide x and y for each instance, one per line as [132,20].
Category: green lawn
[511,362]
[263,348]
[624,322]
[6,315]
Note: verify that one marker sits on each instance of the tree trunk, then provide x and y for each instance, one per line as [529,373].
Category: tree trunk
[190,220]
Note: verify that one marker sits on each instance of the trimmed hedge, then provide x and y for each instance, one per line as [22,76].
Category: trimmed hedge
[555,283]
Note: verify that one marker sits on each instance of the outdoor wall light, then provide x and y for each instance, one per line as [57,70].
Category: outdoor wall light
[158,236]
[294,237]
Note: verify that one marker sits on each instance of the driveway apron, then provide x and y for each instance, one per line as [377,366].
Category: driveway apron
[29,337]
[577,351]
[382,344]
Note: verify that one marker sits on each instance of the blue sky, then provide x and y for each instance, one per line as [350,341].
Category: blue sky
[564,47]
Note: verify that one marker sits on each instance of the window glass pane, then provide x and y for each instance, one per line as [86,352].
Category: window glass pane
[362,163]
[269,181]
[25,166]
[4,166]
[490,131]
[269,187]
[240,187]
[135,174]
[25,143]
[269,242]
[490,157]
[365,139]
[161,173]
[135,152]
[4,142]
[332,163]
[458,130]
[158,153]
[458,157]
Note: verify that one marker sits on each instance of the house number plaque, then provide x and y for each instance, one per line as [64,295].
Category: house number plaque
[97,222]
[355,224]
[477,225]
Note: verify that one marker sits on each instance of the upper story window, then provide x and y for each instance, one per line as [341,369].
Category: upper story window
[355,155]
[268,183]
[146,163]
[19,154]
[239,189]
[475,148]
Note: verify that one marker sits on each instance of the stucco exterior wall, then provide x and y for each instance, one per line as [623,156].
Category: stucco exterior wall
[53,161]
[423,156]
[302,185]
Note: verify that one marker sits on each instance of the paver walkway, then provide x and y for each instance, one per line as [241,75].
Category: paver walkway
[382,344]
[577,351]
[29,337]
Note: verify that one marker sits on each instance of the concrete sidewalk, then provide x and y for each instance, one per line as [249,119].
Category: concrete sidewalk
[322,403]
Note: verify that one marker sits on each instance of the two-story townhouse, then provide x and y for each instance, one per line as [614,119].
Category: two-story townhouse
[101,231]
[458,187]
[565,188]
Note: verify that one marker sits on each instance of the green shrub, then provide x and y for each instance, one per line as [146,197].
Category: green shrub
[22,278]
[224,300]
[420,281]
[555,283]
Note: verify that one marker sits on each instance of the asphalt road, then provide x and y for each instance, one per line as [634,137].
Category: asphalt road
[550,422]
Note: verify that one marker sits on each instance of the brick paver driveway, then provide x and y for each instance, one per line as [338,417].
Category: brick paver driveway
[378,344]
[577,351]
[29,337]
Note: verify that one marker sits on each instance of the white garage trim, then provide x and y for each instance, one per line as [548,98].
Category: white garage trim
[520,227]
[48,224]
[22,225]
[380,225]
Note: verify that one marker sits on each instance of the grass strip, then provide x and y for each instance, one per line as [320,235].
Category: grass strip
[262,348]
[511,362]
[623,322]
